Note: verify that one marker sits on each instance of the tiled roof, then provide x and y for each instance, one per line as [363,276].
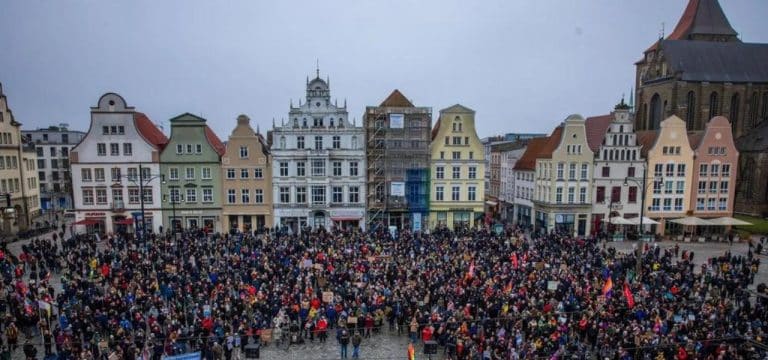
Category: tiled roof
[436,129]
[552,142]
[717,61]
[214,141]
[596,127]
[527,162]
[149,131]
[396,99]
[646,139]
[704,17]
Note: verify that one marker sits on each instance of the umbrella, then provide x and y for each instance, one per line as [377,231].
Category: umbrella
[618,220]
[727,220]
[646,221]
[691,221]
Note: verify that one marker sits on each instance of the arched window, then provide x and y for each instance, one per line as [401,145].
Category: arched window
[645,115]
[655,112]
[691,115]
[622,154]
[753,109]
[764,111]
[714,105]
[282,142]
[734,115]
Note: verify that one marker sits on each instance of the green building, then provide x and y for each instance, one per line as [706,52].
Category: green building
[191,163]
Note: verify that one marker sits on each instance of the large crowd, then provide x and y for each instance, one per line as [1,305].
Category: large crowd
[476,294]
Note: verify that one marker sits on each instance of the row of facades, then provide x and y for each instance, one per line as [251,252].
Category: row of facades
[316,168]
[587,171]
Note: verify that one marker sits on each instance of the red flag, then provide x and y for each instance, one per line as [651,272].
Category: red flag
[628,295]
[471,273]
[514,260]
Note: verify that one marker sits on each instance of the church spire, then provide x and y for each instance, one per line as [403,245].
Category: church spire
[703,20]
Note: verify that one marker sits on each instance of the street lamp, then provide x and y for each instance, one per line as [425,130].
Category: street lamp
[169,198]
[143,181]
[643,183]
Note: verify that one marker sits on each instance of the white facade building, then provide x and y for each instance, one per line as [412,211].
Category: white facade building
[507,179]
[105,169]
[617,158]
[524,172]
[318,174]
[52,146]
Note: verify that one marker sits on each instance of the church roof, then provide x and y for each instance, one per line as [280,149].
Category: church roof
[701,17]
[396,99]
[596,127]
[717,61]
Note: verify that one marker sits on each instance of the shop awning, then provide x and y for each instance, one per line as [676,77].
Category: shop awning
[727,221]
[618,220]
[124,221]
[491,203]
[691,221]
[85,222]
[646,221]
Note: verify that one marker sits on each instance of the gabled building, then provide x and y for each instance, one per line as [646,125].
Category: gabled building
[117,159]
[246,173]
[504,156]
[398,136]
[457,163]
[669,157]
[318,167]
[715,168]
[564,180]
[191,163]
[617,158]
[524,172]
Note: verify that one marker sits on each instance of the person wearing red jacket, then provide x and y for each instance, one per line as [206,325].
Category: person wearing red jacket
[322,329]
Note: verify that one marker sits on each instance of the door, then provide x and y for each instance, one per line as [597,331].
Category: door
[582,227]
[319,219]
[192,223]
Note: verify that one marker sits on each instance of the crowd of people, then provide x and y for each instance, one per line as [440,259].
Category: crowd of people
[474,294]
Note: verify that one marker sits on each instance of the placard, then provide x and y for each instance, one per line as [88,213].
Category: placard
[266,335]
[318,266]
[352,320]
[327,296]
[552,285]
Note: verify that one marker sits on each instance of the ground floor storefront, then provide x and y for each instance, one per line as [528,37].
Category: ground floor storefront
[107,222]
[247,222]
[523,215]
[454,219]
[572,220]
[192,219]
[297,220]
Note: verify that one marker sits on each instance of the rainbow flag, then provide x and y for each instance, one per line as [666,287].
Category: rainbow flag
[607,287]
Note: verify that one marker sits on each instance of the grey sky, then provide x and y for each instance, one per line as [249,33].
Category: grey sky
[522,65]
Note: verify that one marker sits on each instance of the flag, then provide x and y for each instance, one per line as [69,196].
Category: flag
[607,287]
[628,295]
[514,261]
[471,272]
[411,352]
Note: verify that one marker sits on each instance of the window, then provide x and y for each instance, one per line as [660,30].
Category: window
[354,142]
[245,196]
[606,171]
[631,171]
[86,175]
[455,193]
[714,170]
[179,148]
[583,195]
[440,172]
[726,170]
[189,148]
[258,173]
[101,149]
[722,204]
[354,194]
[584,171]
[456,155]
[570,194]
[230,174]
[691,110]
[699,203]
[632,196]
[657,170]
[713,187]
[117,197]
[114,149]
[243,152]
[189,173]
[318,194]
[133,174]
[616,194]
[439,196]
[318,142]
[175,195]
[337,142]
[115,175]
[472,193]
[318,167]
[559,195]
[353,168]
[87,196]
[600,194]
[300,142]
[191,195]
[337,194]
[471,155]
[656,205]
[442,155]
[678,204]
[301,195]
[571,171]
[447,140]
[680,187]
[702,187]
[681,170]
[714,106]
[258,196]
[99,174]
[101,196]
[710,204]
[456,140]
[244,173]
[456,172]
[133,195]
[667,205]
[472,172]
[670,170]
[560,171]
[337,168]
[723,187]
[283,168]
[668,186]
[206,173]
[207,195]
[703,170]
[127,149]
[301,169]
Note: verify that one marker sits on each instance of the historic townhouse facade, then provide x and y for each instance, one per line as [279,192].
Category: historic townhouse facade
[564,180]
[669,157]
[53,145]
[118,157]
[457,166]
[715,167]
[617,158]
[318,167]
[246,173]
[508,154]
[18,174]
[191,165]
[524,172]
[398,136]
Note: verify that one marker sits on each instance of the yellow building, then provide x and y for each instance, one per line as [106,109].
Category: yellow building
[246,180]
[670,171]
[456,195]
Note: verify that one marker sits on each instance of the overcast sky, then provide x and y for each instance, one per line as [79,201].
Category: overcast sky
[522,65]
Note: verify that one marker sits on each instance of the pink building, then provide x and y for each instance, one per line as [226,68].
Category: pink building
[714,170]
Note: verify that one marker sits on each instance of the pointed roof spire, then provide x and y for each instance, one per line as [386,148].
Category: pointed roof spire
[631,98]
[317,68]
[702,17]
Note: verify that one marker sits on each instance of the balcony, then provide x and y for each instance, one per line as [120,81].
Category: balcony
[117,206]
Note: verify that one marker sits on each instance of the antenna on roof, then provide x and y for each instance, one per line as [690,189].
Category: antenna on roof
[317,67]
[661,33]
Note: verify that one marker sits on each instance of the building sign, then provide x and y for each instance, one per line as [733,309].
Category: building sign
[291,212]
[396,121]
[397,189]
[346,213]
[191,212]
[95,214]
